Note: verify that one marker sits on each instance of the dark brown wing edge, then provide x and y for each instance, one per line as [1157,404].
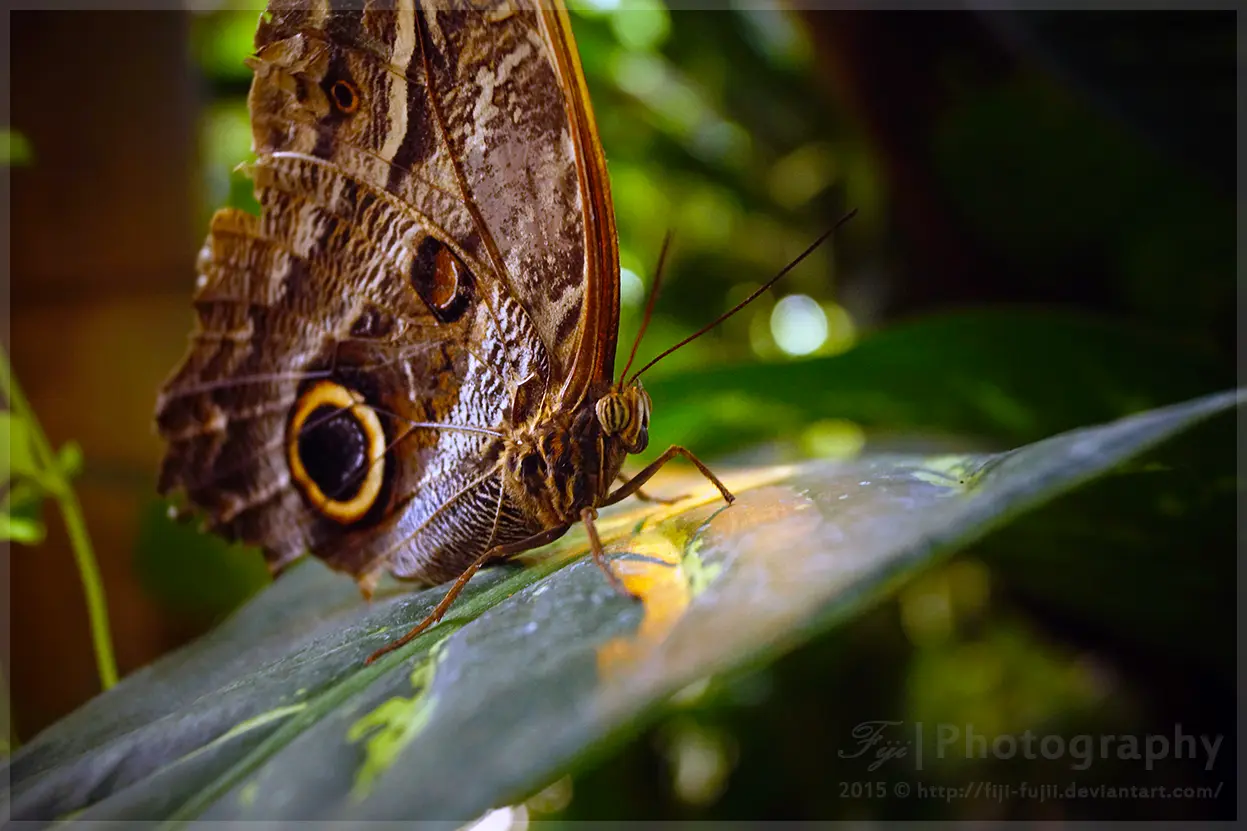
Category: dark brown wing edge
[599,329]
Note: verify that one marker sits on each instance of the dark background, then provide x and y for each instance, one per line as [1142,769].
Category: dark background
[1068,166]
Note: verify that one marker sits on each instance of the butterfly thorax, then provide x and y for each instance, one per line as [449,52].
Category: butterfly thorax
[567,461]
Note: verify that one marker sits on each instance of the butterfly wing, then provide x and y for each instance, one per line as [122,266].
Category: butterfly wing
[409,281]
[513,103]
[482,121]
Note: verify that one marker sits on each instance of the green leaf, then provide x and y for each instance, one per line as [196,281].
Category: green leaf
[23,529]
[222,41]
[273,714]
[197,577]
[14,148]
[18,457]
[69,460]
[20,517]
[1160,535]
[1009,376]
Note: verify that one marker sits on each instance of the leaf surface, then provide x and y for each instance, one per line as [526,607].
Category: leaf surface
[273,714]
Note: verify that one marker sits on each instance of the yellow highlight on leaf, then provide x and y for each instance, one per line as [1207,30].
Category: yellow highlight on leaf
[661,584]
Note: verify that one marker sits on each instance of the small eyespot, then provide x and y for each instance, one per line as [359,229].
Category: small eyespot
[345,96]
[441,279]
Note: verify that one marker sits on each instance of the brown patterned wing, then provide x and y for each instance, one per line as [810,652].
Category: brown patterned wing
[364,345]
[512,101]
[482,122]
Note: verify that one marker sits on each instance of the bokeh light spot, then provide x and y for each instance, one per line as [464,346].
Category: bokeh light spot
[834,438]
[631,289]
[841,333]
[798,324]
[803,174]
[701,760]
[641,25]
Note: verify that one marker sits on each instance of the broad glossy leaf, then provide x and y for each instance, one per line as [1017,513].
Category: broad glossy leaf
[274,716]
[1010,376]
[1140,562]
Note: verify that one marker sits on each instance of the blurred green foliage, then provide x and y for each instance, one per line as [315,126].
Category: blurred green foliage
[1079,198]
[192,572]
[14,148]
[32,471]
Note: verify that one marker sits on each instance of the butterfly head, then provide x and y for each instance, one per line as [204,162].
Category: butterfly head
[624,414]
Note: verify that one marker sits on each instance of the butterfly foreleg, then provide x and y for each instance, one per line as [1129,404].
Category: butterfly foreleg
[645,497]
[498,552]
[587,516]
[367,583]
[634,484]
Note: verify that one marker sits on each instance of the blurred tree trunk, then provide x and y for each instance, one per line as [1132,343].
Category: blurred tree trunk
[886,72]
[1134,111]
[103,239]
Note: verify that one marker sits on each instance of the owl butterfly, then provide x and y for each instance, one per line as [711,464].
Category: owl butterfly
[405,363]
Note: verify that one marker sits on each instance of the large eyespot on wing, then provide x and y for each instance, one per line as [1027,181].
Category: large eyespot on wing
[335,447]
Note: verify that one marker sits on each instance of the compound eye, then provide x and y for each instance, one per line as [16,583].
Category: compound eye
[612,414]
[335,450]
[642,438]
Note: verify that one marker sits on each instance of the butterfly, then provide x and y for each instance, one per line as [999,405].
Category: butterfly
[405,362]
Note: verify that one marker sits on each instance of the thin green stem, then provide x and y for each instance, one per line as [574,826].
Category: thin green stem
[75,526]
[93,587]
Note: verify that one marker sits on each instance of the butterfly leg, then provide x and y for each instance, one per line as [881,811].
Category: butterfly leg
[587,516]
[498,552]
[367,583]
[634,484]
[645,497]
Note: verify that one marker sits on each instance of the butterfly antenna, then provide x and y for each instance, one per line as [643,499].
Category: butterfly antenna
[649,305]
[742,304]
